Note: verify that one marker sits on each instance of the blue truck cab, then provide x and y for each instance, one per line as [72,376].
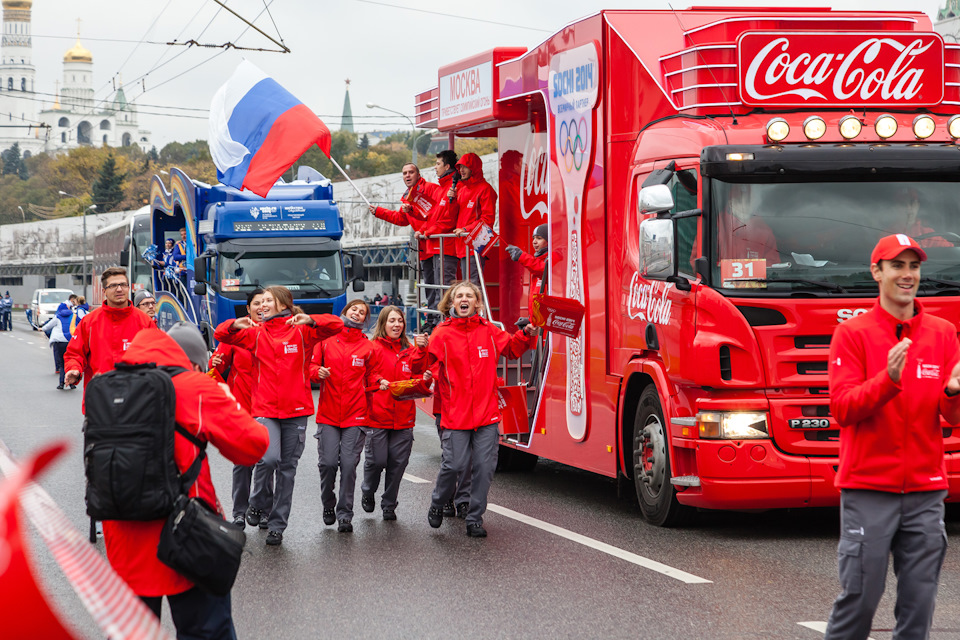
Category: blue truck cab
[237,241]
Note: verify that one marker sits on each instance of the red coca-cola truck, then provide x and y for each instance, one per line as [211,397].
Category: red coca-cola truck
[714,181]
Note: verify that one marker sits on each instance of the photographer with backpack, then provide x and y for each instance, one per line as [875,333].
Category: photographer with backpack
[203,412]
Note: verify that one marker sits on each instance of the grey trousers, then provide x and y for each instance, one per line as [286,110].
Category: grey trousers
[338,449]
[279,466]
[242,477]
[462,494]
[872,525]
[386,449]
[474,272]
[482,445]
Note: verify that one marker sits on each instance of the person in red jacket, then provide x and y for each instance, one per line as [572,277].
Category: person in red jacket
[208,412]
[894,373]
[463,355]
[345,365]
[536,263]
[106,332]
[389,435]
[427,210]
[477,202]
[235,365]
[281,400]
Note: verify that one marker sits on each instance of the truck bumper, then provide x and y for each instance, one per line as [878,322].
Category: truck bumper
[754,474]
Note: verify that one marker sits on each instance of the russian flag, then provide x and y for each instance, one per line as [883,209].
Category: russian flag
[258,129]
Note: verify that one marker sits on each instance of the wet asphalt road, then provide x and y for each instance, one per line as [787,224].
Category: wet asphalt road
[767,572]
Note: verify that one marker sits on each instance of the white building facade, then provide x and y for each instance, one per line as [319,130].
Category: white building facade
[73,117]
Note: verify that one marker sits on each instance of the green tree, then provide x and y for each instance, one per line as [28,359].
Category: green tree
[108,188]
[154,155]
[13,162]
[365,142]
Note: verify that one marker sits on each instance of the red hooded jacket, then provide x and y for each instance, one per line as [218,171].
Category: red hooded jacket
[890,433]
[204,410]
[445,220]
[535,264]
[354,365]
[237,364]
[476,199]
[281,357]
[397,363]
[432,213]
[102,338]
[463,356]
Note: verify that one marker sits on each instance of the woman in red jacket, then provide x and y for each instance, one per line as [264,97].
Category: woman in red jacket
[345,365]
[281,400]
[390,434]
[235,366]
[463,355]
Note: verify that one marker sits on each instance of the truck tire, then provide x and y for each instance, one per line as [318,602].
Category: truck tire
[510,459]
[651,466]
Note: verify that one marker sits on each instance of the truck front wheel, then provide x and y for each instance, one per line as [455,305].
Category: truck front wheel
[651,465]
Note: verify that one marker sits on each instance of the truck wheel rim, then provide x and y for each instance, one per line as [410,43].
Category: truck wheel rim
[654,455]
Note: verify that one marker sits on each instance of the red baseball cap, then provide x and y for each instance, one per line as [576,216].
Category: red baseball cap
[890,247]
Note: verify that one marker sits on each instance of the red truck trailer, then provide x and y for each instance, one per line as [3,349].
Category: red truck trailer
[714,181]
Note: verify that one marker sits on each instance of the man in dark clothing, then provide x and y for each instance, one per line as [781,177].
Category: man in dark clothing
[894,372]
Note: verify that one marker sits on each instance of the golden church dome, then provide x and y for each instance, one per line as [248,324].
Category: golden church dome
[78,53]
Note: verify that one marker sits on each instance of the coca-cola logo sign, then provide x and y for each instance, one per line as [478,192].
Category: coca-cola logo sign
[838,69]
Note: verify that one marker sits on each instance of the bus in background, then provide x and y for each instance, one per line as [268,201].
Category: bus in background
[109,244]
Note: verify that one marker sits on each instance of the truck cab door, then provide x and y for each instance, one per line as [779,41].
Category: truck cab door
[661,301]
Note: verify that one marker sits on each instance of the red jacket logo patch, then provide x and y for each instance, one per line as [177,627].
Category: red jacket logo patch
[290,348]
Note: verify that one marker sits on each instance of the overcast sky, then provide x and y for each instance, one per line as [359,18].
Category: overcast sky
[390,50]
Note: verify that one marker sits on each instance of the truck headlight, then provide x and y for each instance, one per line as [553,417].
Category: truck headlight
[732,425]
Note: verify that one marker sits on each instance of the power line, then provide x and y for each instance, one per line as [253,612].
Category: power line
[452,15]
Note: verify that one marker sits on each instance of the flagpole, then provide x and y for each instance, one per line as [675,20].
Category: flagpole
[350,181]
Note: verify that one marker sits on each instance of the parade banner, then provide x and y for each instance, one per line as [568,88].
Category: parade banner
[559,315]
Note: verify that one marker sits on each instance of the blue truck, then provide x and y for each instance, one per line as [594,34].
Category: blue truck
[237,241]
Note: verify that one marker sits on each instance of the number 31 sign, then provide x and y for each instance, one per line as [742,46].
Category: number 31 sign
[743,274]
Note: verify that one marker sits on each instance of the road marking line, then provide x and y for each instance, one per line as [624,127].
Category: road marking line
[28,342]
[609,549]
[820,627]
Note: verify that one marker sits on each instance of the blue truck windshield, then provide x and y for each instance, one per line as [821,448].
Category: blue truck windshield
[308,274]
[818,236]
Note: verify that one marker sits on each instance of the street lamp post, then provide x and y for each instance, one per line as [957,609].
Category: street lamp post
[371,105]
[22,214]
[83,271]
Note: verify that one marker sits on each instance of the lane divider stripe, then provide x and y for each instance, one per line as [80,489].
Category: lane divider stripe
[586,541]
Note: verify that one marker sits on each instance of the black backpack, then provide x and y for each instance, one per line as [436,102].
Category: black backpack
[128,444]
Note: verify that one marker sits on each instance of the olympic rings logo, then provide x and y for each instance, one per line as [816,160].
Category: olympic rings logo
[572,140]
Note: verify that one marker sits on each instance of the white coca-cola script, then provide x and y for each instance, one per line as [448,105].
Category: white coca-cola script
[649,301]
[837,69]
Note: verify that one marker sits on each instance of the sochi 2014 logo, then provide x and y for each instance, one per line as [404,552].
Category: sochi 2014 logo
[573,142]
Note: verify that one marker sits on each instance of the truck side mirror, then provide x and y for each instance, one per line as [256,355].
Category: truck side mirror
[656,199]
[357,273]
[200,269]
[125,252]
[657,259]
[200,288]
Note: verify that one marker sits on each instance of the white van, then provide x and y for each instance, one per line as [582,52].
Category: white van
[44,303]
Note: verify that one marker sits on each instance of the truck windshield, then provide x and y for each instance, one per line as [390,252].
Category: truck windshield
[313,274]
[817,237]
